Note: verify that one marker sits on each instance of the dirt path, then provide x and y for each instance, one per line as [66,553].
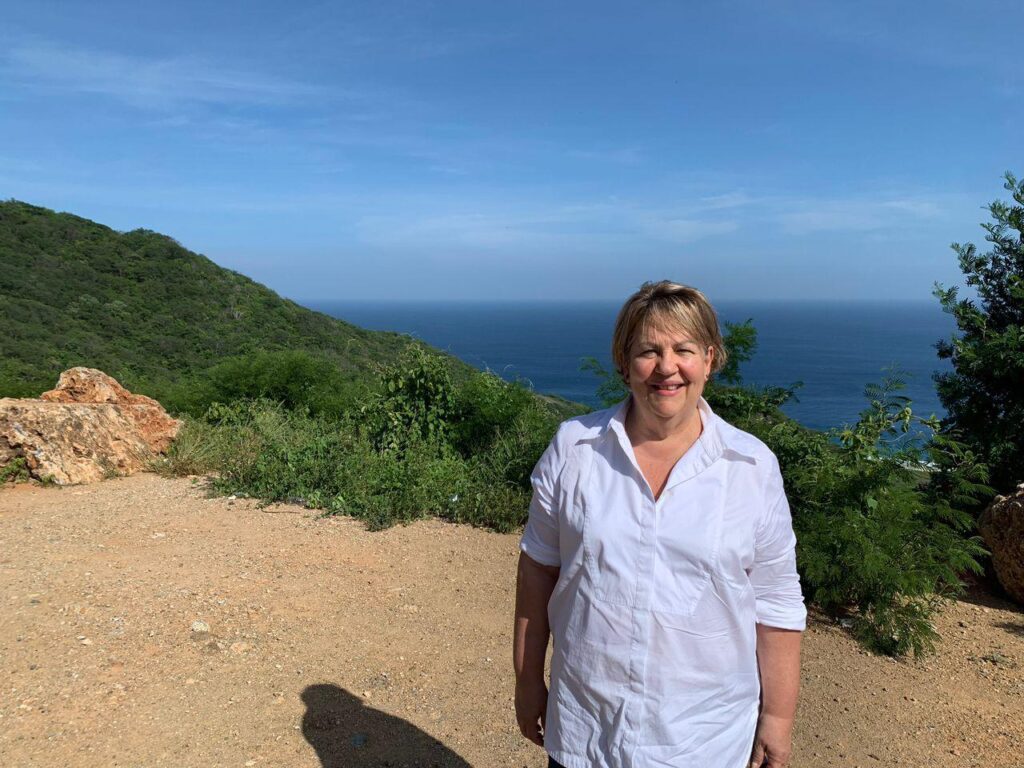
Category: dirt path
[145,625]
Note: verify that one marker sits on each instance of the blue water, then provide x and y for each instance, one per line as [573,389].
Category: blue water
[833,348]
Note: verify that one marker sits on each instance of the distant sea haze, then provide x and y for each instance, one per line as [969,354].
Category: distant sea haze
[834,348]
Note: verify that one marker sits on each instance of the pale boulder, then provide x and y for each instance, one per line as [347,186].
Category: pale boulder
[88,385]
[1002,527]
[88,428]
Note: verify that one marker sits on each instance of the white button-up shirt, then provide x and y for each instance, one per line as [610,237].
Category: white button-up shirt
[654,613]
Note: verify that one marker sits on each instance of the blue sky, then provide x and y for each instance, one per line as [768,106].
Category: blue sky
[456,150]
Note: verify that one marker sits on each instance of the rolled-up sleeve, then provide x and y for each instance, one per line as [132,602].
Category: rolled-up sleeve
[540,538]
[779,601]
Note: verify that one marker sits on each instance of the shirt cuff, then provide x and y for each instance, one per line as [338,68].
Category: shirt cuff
[543,554]
[781,616]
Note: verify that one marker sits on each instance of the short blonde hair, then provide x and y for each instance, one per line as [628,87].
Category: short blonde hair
[667,306]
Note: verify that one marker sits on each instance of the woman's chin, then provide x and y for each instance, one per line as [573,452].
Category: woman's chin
[668,407]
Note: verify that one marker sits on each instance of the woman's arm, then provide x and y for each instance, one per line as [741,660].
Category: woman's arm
[778,660]
[781,616]
[534,585]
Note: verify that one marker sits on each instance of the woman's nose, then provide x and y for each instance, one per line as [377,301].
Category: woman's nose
[668,363]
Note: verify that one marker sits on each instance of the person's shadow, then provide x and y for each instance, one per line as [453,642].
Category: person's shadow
[348,734]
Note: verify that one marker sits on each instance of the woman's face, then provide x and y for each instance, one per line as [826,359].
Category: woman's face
[667,372]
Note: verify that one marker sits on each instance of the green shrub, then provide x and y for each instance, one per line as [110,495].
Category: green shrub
[415,400]
[296,379]
[485,406]
[881,533]
[418,445]
[14,471]
[259,449]
[18,380]
[515,449]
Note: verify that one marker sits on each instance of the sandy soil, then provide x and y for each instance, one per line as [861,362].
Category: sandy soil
[146,625]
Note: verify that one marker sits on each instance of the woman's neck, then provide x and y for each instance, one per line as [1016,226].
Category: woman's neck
[644,428]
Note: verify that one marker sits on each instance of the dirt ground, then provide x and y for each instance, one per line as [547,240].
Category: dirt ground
[143,624]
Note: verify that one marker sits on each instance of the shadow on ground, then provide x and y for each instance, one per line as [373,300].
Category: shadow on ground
[348,734]
[986,592]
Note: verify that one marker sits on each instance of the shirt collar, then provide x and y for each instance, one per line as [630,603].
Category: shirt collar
[713,439]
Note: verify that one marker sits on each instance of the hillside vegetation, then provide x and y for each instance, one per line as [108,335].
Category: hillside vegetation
[144,309]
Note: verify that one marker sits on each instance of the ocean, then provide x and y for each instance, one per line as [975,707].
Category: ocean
[833,348]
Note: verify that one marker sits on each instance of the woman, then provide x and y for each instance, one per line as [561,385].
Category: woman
[659,554]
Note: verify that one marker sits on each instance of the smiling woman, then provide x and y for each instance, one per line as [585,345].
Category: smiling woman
[659,554]
[665,355]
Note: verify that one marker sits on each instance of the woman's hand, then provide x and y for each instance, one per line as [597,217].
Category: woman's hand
[773,742]
[531,707]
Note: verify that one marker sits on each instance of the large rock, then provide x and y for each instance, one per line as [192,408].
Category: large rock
[1002,527]
[88,428]
[88,385]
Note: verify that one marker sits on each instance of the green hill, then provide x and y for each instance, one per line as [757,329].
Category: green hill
[144,309]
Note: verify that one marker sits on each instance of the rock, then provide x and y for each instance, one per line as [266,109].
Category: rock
[1002,527]
[200,626]
[108,432]
[88,385]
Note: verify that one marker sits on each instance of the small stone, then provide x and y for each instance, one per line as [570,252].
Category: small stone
[200,626]
[239,647]
[359,740]
[86,641]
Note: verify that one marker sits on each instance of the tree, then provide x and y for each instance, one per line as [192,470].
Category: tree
[984,393]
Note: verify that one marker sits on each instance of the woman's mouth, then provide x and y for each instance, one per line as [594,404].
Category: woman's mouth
[668,390]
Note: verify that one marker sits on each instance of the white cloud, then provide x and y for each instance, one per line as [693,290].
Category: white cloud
[683,230]
[526,227]
[154,83]
[808,216]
